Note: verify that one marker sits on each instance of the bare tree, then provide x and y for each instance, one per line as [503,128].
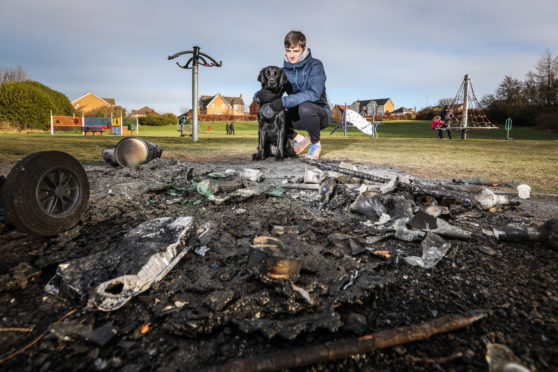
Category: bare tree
[445,101]
[546,78]
[12,74]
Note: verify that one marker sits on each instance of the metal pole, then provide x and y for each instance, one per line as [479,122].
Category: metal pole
[195,94]
[465,106]
[51,124]
[122,124]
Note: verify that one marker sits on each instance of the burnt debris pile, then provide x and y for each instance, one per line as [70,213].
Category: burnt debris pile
[279,252]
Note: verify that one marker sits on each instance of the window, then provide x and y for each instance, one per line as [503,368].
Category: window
[213,105]
[223,106]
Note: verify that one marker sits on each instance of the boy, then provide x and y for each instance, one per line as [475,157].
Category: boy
[306,102]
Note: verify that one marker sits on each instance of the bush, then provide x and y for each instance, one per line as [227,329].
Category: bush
[548,120]
[27,104]
[522,115]
[158,120]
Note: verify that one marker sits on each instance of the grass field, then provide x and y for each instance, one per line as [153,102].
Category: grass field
[531,157]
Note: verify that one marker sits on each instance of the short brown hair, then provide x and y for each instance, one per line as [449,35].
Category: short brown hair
[294,39]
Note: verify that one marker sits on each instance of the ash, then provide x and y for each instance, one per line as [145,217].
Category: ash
[364,267]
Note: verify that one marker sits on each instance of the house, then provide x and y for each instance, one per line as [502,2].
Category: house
[144,111]
[221,105]
[337,113]
[254,107]
[401,111]
[378,106]
[91,102]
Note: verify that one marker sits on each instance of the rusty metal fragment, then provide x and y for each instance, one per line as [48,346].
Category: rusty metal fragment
[269,257]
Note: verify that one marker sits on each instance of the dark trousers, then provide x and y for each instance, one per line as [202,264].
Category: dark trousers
[441,132]
[309,117]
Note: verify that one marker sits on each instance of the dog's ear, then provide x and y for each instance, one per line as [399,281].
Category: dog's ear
[283,79]
[261,76]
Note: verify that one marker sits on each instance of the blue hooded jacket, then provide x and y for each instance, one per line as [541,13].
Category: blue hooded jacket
[306,82]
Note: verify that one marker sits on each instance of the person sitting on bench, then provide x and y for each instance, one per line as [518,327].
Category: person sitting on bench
[446,115]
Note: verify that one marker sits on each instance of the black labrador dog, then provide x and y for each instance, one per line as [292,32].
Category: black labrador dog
[272,127]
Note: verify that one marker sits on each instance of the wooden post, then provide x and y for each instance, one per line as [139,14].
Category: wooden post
[466,82]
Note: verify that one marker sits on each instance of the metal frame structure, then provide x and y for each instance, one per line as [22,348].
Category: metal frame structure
[196,59]
[373,123]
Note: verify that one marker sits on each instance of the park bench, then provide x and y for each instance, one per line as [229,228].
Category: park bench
[92,130]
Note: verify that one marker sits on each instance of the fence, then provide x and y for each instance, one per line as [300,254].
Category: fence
[387,117]
[213,117]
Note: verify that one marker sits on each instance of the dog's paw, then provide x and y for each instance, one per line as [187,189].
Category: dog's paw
[279,157]
[257,156]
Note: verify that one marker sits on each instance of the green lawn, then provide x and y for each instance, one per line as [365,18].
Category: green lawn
[392,129]
[532,157]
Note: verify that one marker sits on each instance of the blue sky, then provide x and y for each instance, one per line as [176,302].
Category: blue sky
[414,52]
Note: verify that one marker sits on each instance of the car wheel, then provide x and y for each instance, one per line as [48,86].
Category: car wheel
[46,193]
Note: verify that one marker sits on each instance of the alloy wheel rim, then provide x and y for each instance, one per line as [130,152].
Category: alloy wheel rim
[58,192]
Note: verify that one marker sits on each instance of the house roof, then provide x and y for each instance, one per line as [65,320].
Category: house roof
[102,99]
[382,101]
[206,100]
[340,107]
[403,110]
[144,110]
[377,101]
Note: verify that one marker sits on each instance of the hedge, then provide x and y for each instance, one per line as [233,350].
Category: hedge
[27,104]
[158,120]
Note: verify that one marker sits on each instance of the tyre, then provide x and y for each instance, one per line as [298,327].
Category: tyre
[46,193]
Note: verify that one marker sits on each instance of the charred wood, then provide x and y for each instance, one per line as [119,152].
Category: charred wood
[333,168]
[347,347]
[437,191]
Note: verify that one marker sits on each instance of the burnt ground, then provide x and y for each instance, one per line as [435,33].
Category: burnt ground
[210,310]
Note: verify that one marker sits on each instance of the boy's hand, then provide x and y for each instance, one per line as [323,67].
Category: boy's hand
[276,105]
[265,95]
